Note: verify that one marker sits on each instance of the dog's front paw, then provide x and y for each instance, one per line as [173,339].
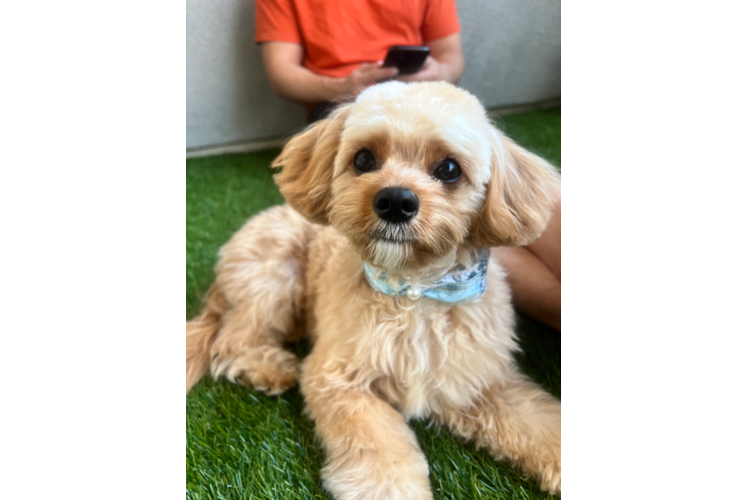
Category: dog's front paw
[267,369]
[550,478]
[367,477]
[547,466]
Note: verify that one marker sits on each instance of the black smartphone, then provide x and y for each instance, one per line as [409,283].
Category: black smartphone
[408,59]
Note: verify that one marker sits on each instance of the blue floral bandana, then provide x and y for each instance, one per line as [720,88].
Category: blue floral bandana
[458,286]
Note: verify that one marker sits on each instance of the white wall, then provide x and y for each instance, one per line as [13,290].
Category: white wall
[512,53]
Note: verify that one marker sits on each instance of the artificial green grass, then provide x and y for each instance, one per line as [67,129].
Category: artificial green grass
[242,444]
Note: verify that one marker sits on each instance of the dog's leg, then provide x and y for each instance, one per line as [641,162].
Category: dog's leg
[261,274]
[517,421]
[371,452]
[250,351]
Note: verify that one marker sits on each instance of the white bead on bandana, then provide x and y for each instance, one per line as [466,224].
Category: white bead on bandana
[459,285]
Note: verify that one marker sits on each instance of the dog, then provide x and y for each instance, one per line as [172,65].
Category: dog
[381,257]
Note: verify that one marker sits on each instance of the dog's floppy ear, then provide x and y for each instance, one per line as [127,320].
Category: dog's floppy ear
[519,196]
[307,161]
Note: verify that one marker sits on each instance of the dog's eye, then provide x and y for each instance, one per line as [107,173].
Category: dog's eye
[364,161]
[448,171]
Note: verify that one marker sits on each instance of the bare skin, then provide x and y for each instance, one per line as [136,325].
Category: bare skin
[289,79]
[535,273]
[445,63]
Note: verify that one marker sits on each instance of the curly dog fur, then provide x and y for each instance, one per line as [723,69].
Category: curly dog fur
[298,269]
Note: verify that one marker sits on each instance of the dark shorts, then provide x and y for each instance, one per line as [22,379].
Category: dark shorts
[320,111]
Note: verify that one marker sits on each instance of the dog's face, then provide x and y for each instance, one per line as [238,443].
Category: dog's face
[412,172]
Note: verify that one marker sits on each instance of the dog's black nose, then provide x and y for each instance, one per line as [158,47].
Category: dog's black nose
[396,204]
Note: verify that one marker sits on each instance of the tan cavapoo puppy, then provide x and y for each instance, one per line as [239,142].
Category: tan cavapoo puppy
[380,257]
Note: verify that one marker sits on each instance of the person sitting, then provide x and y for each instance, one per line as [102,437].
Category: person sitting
[315,53]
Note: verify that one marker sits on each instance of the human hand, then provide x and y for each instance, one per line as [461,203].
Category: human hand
[366,75]
[431,71]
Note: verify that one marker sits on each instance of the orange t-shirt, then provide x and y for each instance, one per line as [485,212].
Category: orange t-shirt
[339,35]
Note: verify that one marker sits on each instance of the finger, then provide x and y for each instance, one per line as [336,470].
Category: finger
[381,74]
[415,77]
[367,67]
